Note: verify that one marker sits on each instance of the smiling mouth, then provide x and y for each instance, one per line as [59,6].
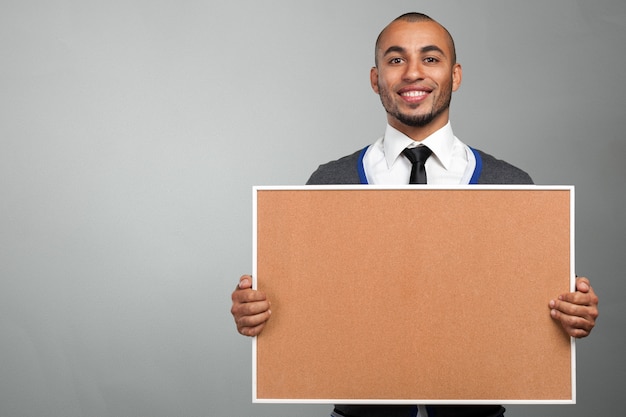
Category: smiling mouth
[414,93]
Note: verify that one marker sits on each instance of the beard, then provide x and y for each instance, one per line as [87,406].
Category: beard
[416,121]
[442,103]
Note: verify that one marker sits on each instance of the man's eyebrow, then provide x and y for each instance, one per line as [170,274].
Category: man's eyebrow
[392,49]
[425,49]
[432,48]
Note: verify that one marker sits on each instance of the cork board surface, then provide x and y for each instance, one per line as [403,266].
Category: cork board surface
[413,294]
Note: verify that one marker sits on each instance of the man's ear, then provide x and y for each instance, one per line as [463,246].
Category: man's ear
[374,79]
[457,76]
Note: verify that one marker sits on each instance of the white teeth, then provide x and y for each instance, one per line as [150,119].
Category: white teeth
[414,93]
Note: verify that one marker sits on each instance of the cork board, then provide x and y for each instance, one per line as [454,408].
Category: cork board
[413,294]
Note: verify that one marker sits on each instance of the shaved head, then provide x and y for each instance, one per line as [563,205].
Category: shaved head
[414,17]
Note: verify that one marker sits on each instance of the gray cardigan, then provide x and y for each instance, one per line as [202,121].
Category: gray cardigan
[348,170]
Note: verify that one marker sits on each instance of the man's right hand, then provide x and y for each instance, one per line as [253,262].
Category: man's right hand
[250,309]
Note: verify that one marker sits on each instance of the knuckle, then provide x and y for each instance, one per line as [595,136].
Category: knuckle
[582,333]
[571,321]
[234,310]
[567,320]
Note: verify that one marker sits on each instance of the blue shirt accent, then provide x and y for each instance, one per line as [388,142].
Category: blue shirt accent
[479,167]
[361,168]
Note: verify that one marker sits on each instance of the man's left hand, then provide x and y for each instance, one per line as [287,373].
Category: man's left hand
[577,311]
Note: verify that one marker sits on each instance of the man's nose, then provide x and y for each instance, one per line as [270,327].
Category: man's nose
[414,71]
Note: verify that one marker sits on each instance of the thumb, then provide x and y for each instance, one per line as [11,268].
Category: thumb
[245,282]
[582,284]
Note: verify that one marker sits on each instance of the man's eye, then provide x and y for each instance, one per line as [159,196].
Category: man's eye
[395,60]
[431,60]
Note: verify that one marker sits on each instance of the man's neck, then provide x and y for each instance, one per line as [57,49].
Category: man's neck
[418,133]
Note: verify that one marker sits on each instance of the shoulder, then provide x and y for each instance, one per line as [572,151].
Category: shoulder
[341,171]
[497,171]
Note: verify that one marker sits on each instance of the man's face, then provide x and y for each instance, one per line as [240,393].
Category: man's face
[415,75]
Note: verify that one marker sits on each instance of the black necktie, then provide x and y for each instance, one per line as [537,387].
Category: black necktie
[418,157]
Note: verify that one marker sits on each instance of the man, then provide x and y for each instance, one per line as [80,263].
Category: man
[415,74]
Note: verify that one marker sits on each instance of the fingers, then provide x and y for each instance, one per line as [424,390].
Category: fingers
[576,299]
[577,311]
[253,325]
[247,296]
[575,326]
[250,308]
[583,296]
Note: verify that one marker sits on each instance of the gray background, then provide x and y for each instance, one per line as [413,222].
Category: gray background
[131,133]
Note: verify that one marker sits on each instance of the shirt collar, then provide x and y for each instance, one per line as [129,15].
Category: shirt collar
[440,142]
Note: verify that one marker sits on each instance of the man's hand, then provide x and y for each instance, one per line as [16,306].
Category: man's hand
[250,309]
[577,311]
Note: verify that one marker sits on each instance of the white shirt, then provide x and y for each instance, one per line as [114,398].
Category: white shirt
[452,162]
